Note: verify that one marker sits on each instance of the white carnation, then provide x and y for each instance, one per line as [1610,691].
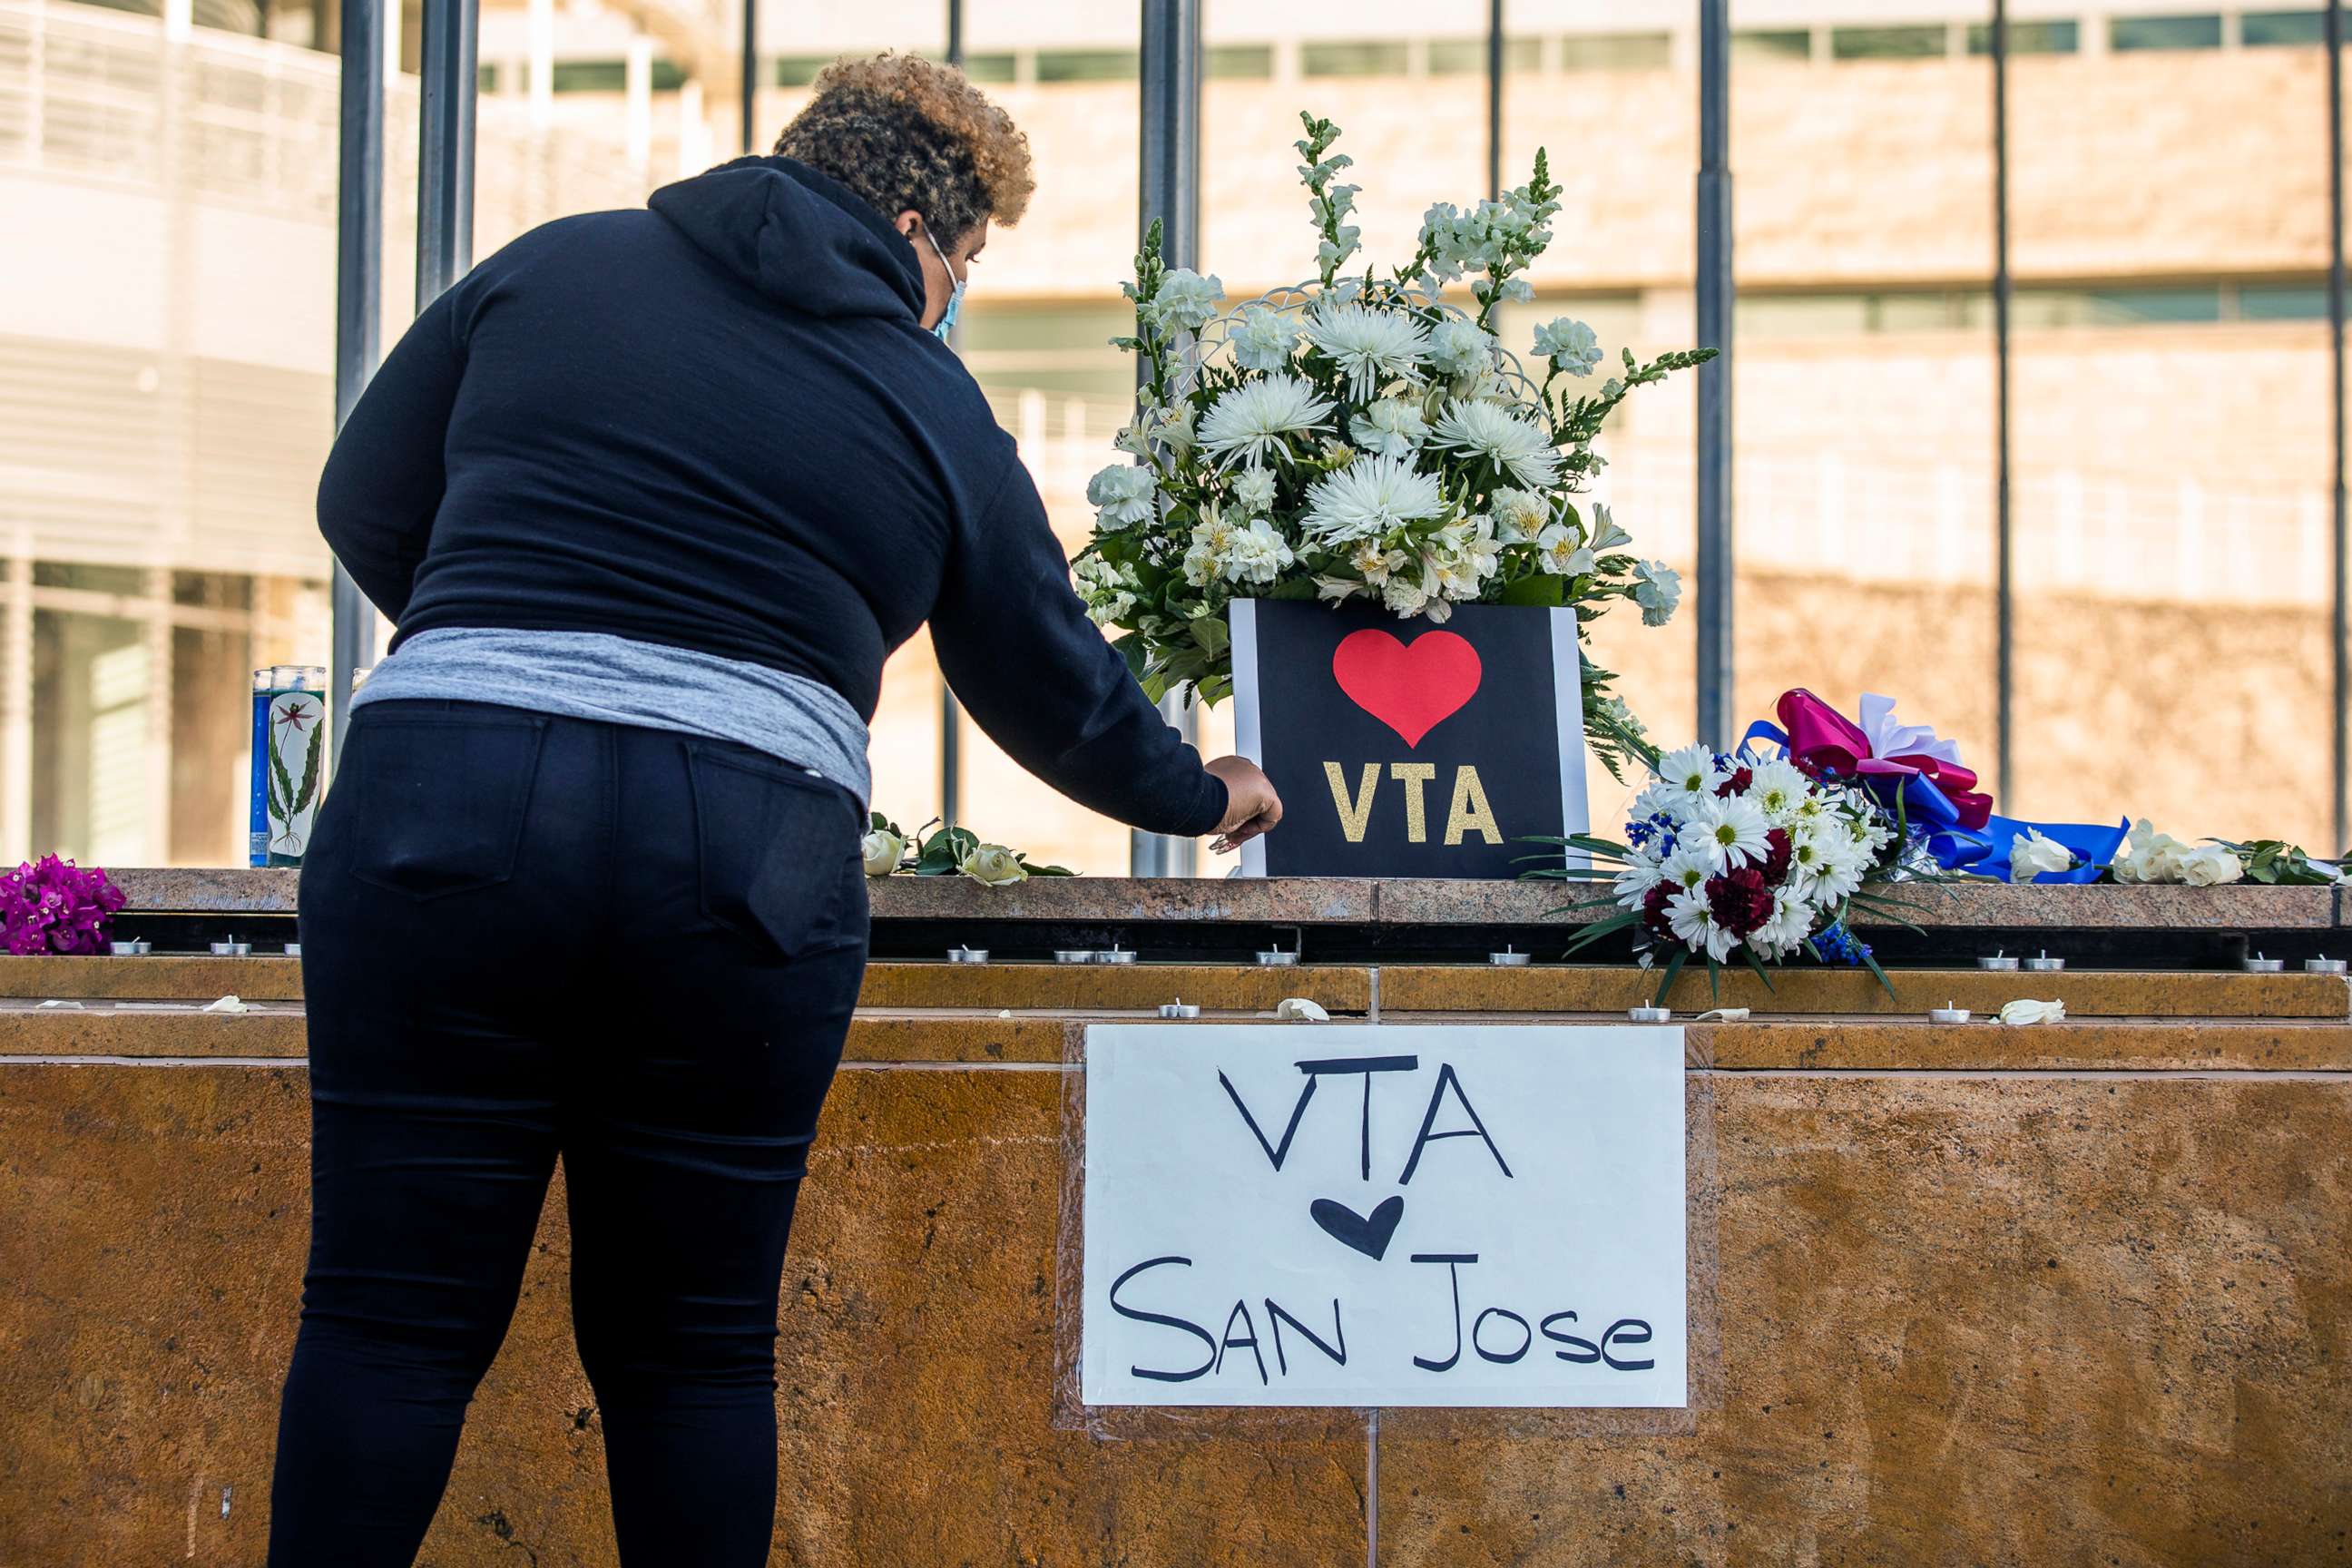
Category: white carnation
[1121,495]
[1392,427]
[1186,300]
[1254,490]
[1458,346]
[1263,340]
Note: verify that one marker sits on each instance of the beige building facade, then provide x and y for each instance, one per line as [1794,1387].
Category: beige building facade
[166,333]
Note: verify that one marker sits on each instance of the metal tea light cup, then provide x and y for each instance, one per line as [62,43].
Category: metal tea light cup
[1114,954]
[1998,961]
[2324,965]
[1275,958]
[232,948]
[1948,1014]
[2258,965]
[967,956]
[1509,958]
[2044,963]
[1074,955]
[1179,1008]
[1650,1014]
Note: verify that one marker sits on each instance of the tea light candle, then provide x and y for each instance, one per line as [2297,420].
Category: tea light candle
[1074,955]
[1114,954]
[2324,966]
[1179,1008]
[232,949]
[1998,961]
[129,949]
[1274,958]
[2258,965]
[2045,963]
[1948,1014]
[1649,1014]
[967,956]
[1509,958]
[293,950]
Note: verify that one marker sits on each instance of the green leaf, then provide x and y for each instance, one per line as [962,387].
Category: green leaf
[1673,968]
[1598,929]
[1872,965]
[1542,589]
[1210,632]
[306,791]
[1757,964]
[1291,590]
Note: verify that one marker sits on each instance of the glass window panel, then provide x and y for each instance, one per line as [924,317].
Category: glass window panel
[987,67]
[1468,56]
[1757,45]
[1254,60]
[1616,51]
[1889,43]
[2171,445]
[2029,37]
[2282,301]
[1085,65]
[1378,57]
[800,70]
[2260,28]
[2164,32]
[592,76]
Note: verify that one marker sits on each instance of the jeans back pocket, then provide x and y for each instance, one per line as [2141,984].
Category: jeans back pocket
[436,798]
[778,850]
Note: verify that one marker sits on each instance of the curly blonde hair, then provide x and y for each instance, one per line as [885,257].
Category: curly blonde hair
[904,131]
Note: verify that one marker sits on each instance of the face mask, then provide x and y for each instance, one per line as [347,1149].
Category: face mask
[955,292]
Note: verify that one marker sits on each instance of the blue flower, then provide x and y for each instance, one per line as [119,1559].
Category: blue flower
[1836,944]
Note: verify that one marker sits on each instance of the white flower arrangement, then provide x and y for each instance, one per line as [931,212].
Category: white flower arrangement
[934,851]
[1738,856]
[1359,436]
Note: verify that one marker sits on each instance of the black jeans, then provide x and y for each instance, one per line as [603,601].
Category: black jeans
[525,936]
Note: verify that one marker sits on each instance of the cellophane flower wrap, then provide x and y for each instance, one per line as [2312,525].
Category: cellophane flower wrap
[1742,855]
[54,906]
[1361,436]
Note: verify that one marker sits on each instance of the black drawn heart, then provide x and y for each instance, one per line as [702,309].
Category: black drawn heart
[1367,1236]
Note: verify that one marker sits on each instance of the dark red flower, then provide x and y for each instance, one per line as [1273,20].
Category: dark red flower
[1736,785]
[1741,899]
[1776,856]
[1654,910]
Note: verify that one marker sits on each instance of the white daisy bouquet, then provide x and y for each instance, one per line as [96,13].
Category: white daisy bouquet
[1742,854]
[1359,434]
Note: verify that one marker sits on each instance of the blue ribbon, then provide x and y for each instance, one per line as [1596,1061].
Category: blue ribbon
[1985,853]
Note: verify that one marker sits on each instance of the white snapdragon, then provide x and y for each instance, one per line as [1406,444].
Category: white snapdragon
[1121,495]
[1186,300]
[1263,340]
[1657,588]
[1108,591]
[1392,427]
[1570,346]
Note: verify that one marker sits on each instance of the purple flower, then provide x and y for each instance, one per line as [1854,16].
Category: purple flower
[54,906]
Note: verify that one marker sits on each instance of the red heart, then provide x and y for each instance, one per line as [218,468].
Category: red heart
[1410,688]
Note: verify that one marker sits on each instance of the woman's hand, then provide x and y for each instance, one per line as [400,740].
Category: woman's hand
[1251,806]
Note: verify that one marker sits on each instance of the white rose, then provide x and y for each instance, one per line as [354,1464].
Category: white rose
[2032,853]
[2209,865]
[994,865]
[882,850]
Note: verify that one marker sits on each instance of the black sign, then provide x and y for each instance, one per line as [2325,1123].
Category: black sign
[1404,748]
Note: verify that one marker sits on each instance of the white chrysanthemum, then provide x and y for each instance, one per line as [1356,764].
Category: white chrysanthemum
[1732,830]
[1254,490]
[1692,772]
[1253,419]
[1658,589]
[1777,788]
[1640,873]
[1458,345]
[1121,495]
[1255,555]
[1561,552]
[1185,299]
[1520,516]
[1512,444]
[1392,427]
[1369,346]
[1262,339]
[1692,918]
[1689,867]
[1371,497]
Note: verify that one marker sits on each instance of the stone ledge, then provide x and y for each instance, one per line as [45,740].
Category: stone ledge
[1338,900]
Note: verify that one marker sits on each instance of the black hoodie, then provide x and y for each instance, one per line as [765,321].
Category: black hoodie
[720,424]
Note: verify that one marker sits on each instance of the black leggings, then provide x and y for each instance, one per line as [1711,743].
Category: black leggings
[525,936]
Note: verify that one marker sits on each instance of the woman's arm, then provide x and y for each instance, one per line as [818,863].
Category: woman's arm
[384,479]
[1017,648]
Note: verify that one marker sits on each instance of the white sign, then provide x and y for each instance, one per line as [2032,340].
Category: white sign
[1372,1214]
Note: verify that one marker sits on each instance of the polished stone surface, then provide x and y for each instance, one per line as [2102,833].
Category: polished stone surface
[1329,900]
[1966,1321]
